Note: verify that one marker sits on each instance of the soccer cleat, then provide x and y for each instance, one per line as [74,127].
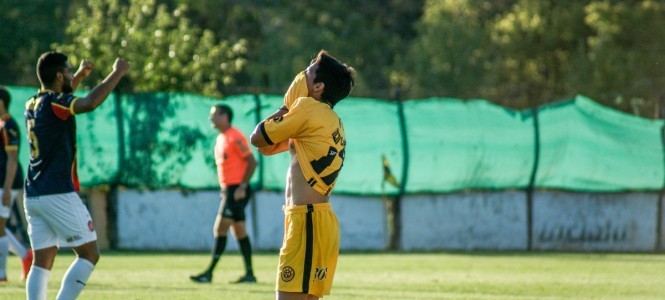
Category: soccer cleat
[205,277]
[27,263]
[246,279]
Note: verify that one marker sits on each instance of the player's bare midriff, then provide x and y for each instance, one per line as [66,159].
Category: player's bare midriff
[298,192]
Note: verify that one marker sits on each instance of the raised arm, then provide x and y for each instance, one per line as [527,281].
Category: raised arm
[259,140]
[84,71]
[100,92]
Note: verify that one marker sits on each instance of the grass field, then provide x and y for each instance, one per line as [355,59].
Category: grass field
[127,275]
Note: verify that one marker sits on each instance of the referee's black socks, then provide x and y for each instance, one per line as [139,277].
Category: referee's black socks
[246,250]
[217,250]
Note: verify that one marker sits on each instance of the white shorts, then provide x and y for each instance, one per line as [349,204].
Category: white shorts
[5,211]
[59,220]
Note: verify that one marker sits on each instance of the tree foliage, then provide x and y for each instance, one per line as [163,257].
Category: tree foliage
[624,60]
[167,51]
[517,53]
[525,53]
[27,28]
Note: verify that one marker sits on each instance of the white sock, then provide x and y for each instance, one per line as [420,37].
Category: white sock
[36,284]
[4,251]
[15,246]
[75,279]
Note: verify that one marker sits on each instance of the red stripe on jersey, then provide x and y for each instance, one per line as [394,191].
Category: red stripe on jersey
[75,176]
[60,111]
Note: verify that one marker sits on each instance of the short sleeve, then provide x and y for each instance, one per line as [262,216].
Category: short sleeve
[241,145]
[63,106]
[11,136]
[297,89]
[287,126]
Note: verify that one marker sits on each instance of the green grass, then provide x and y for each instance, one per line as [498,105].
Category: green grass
[126,275]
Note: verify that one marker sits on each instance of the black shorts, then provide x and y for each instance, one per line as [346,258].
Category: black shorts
[231,208]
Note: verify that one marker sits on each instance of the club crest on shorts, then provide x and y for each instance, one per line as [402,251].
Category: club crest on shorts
[287,274]
[91,226]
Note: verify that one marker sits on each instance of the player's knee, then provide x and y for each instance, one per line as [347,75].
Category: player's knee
[220,232]
[92,257]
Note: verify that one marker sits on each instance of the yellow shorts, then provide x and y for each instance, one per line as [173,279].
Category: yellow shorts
[308,257]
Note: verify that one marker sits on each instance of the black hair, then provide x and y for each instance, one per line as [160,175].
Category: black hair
[5,97]
[48,65]
[335,75]
[225,109]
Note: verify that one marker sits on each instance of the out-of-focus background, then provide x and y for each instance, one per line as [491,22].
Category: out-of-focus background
[515,53]
[493,125]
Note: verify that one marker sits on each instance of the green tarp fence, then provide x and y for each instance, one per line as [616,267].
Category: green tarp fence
[437,145]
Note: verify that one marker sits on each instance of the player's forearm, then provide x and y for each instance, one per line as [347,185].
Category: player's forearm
[78,77]
[274,149]
[256,138]
[99,93]
[249,171]
[10,174]
[280,112]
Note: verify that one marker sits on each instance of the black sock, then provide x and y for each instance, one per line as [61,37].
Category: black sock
[246,249]
[217,250]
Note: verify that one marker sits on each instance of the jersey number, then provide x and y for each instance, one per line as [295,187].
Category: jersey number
[32,139]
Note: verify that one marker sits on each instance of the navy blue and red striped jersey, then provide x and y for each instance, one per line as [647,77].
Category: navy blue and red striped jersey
[11,141]
[51,126]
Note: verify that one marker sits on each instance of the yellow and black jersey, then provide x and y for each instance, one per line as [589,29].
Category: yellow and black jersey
[317,133]
[297,89]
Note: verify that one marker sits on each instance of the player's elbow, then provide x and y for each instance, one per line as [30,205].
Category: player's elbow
[253,139]
[256,138]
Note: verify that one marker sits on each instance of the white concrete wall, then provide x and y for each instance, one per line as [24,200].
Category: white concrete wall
[464,221]
[595,222]
[170,220]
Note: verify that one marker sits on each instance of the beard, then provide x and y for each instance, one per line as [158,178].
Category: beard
[67,88]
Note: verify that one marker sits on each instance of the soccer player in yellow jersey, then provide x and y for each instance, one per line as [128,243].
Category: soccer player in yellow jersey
[313,132]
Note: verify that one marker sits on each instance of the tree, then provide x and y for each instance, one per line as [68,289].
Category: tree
[535,42]
[167,53]
[623,62]
[28,28]
[368,35]
[451,54]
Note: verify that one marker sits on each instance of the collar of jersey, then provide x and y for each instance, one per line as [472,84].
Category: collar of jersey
[46,91]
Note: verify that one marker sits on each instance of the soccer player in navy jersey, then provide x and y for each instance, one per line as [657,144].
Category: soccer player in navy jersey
[56,215]
[11,178]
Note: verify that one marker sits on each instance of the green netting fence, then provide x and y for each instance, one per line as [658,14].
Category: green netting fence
[438,145]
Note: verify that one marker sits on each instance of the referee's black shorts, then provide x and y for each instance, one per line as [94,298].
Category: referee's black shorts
[231,208]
